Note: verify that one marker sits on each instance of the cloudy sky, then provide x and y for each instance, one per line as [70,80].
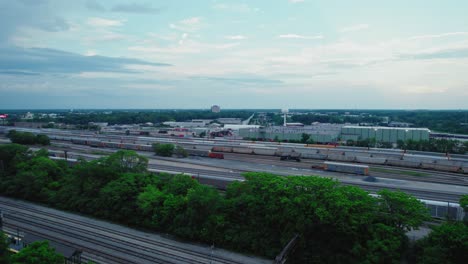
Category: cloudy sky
[369,54]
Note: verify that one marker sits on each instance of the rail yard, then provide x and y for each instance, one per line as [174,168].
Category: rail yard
[437,180]
[109,243]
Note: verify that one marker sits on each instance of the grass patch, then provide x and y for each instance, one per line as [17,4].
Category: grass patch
[402,172]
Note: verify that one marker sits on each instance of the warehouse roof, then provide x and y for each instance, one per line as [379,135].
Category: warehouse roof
[390,128]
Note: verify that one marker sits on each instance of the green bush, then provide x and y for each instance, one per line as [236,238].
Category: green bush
[165,150]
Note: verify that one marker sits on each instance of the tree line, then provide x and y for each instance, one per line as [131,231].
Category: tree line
[137,117]
[27,138]
[335,223]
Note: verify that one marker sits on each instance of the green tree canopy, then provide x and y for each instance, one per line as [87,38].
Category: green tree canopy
[165,150]
[447,243]
[37,253]
[401,210]
[464,202]
[4,253]
[127,161]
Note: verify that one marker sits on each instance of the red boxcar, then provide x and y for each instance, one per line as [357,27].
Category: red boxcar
[216,155]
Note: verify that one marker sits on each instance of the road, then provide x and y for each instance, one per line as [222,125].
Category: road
[247,121]
[110,243]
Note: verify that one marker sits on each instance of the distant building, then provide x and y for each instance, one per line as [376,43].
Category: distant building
[384,134]
[399,124]
[28,116]
[99,124]
[319,132]
[188,124]
[215,109]
[230,121]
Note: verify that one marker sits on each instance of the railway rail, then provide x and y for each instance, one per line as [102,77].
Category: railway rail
[99,240]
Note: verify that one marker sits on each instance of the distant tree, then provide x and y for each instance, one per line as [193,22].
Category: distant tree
[165,150]
[27,138]
[180,152]
[37,253]
[304,137]
[43,140]
[203,134]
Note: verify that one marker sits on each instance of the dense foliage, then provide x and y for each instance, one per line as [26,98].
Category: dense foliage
[4,253]
[464,202]
[27,138]
[447,243]
[336,224]
[37,253]
[165,150]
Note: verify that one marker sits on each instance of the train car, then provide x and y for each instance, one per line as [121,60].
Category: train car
[314,156]
[198,153]
[441,167]
[371,160]
[215,155]
[465,169]
[146,147]
[222,149]
[265,151]
[403,163]
[322,146]
[341,158]
[346,168]
[445,210]
[291,156]
[242,150]
[442,210]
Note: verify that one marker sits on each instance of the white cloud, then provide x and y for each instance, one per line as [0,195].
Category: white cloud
[183,38]
[235,37]
[354,28]
[189,24]
[102,22]
[295,36]
[91,53]
[450,34]
[296,1]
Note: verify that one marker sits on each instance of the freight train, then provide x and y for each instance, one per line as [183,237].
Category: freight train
[391,158]
[200,147]
[346,168]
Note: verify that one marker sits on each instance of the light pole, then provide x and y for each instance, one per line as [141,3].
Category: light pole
[375,143]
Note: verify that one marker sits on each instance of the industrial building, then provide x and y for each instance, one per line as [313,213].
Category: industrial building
[230,121]
[384,134]
[323,133]
[328,133]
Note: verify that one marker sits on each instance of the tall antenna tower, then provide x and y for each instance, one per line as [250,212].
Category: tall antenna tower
[285,113]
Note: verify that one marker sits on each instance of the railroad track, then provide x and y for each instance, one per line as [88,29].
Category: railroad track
[393,172]
[106,239]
